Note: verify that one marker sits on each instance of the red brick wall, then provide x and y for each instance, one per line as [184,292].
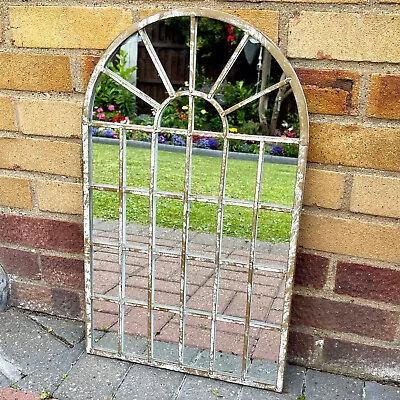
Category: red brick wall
[346,302]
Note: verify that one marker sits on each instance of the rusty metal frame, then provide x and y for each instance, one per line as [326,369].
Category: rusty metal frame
[184,254]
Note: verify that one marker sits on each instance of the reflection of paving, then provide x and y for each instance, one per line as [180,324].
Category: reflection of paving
[267,299]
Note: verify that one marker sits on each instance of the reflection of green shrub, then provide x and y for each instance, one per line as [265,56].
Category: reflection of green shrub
[110,92]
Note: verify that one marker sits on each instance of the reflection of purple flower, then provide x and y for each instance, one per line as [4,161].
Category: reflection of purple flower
[213,143]
[202,143]
[207,143]
[161,139]
[277,150]
[178,141]
[108,133]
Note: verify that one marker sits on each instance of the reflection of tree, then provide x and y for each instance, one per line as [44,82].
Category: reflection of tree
[215,42]
[109,92]
[283,93]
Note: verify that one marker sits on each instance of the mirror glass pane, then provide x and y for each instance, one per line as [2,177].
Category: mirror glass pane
[193,172]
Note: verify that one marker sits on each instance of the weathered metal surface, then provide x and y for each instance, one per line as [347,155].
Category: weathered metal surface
[151,250]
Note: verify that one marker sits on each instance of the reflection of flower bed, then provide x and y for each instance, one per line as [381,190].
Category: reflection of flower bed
[235,145]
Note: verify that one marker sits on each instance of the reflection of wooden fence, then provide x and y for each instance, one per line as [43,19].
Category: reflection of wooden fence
[174,56]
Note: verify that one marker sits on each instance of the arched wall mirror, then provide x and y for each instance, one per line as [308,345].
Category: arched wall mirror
[195,133]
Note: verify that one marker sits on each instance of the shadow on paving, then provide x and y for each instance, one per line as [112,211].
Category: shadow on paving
[45,354]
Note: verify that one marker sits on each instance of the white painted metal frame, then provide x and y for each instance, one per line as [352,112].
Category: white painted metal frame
[184,254]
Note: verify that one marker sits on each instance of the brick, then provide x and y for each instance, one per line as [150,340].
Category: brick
[20,263]
[264,20]
[7,115]
[365,239]
[22,71]
[368,360]
[326,100]
[324,188]
[65,272]
[337,36]
[375,195]
[330,91]
[88,64]
[59,158]
[365,281]
[344,317]
[15,192]
[50,118]
[47,234]
[355,145]
[145,13]
[67,27]
[56,301]
[9,393]
[311,270]
[384,96]
[60,197]
[300,346]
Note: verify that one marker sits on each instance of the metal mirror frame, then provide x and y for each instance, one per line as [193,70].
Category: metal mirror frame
[87,122]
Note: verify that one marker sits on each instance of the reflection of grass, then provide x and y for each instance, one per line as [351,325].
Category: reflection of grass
[277,188]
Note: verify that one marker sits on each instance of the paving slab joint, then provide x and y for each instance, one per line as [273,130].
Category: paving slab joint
[121,382]
[51,332]
[302,396]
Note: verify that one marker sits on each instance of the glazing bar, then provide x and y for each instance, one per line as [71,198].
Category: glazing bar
[121,238]
[228,65]
[157,63]
[250,280]
[193,52]
[258,95]
[186,193]
[125,125]
[131,88]
[218,252]
[104,187]
[185,231]
[152,244]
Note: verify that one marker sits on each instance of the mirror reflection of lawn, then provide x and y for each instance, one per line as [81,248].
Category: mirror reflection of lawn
[277,188]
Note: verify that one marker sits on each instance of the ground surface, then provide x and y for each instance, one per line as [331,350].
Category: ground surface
[42,353]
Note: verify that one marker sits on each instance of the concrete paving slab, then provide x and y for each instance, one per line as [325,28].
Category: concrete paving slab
[199,388]
[144,382]
[374,391]
[4,381]
[42,358]
[48,374]
[72,332]
[92,377]
[325,386]
[292,389]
